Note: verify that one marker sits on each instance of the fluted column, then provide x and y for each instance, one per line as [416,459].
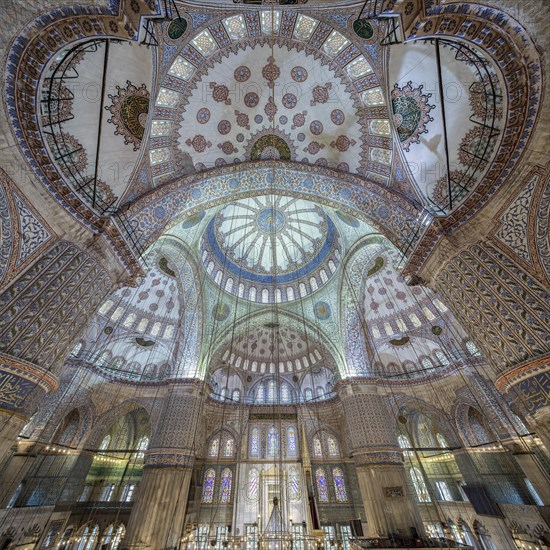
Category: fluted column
[389,506]
[41,315]
[158,514]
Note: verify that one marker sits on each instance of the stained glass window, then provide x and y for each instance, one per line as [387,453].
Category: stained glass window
[142,445]
[236,395]
[373,97]
[291,441]
[472,348]
[442,358]
[426,363]
[404,443]
[229,447]
[317,451]
[322,488]
[181,68]
[308,394]
[105,443]
[260,395]
[358,67]
[293,484]
[208,486]
[227,478]
[419,485]
[204,42]
[335,43]
[285,393]
[271,391]
[441,441]
[270,21]
[214,447]
[304,27]
[253,484]
[255,442]
[333,449]
[339,485]
[236,27]
[272,441]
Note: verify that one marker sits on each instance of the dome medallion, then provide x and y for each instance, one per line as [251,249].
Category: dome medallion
[271,249]
[270,220]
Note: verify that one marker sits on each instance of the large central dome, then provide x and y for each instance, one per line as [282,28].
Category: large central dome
[270,248]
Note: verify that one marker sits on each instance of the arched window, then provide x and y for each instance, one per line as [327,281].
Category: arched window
[208,486]
[227,478]
[320,391]
[260,394]
[293,484]
[236,395]
[285,393]
[229,447]
[214,447]
[308,394]
[76,349]
[339,485]
[272,441]
[271,392]
[333,448]
[322,488]
[441,441]
[317,450]
[426,363]
[253,484]
[291,441]
[471,347]
[442,358]
[128,492]
[404,443]
[119,533]
[105,443]
[106,307]
[419,485]
[142,445]
[255,442]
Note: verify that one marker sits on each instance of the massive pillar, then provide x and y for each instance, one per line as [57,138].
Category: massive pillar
[41,315]
[158,514]
[389,505]
[505,310]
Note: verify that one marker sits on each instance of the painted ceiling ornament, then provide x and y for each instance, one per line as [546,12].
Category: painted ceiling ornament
[199,143]
[271,144]
[322,310]
[271,72]
[480,96]
[342,143]
[65,146]
[129,109]
[270,109]
[476,147]
[440,193]
[363,29]
[220,93]
[221,311]
[176,28]
[410,113]
[320,94]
